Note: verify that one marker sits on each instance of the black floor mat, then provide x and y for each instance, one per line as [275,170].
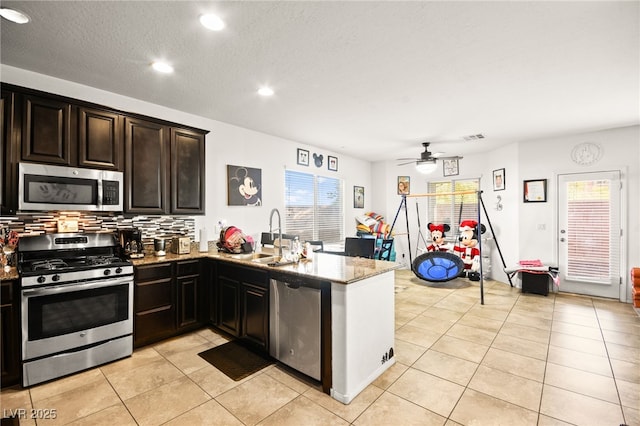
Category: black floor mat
[236,360]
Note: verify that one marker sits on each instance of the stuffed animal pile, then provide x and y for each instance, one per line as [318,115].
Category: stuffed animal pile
[466,247]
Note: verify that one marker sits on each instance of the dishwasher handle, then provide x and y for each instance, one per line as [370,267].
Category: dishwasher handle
[296,281]
[290,281]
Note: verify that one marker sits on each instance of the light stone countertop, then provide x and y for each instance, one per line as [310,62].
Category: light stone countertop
[12,274]
[323,266]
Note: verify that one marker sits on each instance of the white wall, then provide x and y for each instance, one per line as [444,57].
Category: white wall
[518,226]
[546,158]
[481,166]
[225,144]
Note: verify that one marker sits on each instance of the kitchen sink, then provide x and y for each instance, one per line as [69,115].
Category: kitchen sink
[269,259]
[263,258]
[251,256]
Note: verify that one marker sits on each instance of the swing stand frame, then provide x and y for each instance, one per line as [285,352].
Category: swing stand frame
[403,204]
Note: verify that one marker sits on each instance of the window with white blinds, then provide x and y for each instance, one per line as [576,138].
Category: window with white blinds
[452,209]
[592,224]
[314,207]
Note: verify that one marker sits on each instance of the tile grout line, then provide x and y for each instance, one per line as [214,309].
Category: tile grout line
[613,373]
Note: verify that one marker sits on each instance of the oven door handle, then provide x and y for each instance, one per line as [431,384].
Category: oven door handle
[75,287]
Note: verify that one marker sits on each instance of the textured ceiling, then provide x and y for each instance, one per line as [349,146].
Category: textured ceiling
[369,79]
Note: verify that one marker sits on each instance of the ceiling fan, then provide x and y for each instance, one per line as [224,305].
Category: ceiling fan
[427,161]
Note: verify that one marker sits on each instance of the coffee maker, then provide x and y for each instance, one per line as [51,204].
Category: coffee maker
[131,242]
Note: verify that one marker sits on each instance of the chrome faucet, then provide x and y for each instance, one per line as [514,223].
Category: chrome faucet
[279,230]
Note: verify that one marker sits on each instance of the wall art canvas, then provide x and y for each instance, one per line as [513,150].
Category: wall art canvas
[404,187]
[303,157]
[244,186]
[358,197]
[498,180]
[333,163]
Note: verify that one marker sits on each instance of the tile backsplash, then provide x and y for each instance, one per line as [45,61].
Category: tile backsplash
[150,226]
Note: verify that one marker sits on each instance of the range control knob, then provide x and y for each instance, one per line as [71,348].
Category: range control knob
[56,277]
[118,270]
[41,279]
[107,271]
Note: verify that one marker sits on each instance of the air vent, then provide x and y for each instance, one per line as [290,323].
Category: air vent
[473,137]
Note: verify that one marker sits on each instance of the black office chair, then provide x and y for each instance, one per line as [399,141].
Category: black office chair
[359,247]
[266,239]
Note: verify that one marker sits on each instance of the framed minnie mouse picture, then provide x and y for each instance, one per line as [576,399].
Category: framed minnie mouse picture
[332,164]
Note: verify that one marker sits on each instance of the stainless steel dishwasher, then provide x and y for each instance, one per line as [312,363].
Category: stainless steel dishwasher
[295,324]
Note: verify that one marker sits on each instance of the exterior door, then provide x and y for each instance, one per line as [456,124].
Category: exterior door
[590,233]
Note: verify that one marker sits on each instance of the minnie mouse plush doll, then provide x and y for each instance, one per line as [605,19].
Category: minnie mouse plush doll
[467,249]
[438,237]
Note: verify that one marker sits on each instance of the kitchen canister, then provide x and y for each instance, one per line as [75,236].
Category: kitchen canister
[204,244]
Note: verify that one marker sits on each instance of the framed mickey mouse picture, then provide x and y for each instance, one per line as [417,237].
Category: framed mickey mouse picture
[303,157]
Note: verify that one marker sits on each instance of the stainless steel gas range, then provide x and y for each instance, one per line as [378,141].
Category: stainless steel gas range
[76,303]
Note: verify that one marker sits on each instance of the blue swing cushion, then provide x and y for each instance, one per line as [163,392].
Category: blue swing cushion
[438,266]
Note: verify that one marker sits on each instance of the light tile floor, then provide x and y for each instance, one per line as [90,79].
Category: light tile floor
[519,359]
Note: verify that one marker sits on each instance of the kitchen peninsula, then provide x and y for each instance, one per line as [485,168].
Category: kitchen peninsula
[357,306]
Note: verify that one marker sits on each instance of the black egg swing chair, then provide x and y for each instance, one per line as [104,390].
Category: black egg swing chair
[441,266]
[437,266]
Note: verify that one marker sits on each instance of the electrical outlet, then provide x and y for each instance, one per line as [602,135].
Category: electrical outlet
[542,227]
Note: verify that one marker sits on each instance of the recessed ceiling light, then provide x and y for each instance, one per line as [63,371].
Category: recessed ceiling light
[265,91]
[212,22]
[162,67]
[14,15]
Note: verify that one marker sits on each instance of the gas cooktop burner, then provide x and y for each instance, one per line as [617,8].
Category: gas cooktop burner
[48,264]
[67,257]
[102,260]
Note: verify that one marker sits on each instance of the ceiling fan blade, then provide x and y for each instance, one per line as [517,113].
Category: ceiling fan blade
[408,162]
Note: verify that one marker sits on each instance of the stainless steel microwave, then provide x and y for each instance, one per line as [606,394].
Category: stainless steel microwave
[43,187]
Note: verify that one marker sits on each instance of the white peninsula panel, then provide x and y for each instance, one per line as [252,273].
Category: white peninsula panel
[362,331]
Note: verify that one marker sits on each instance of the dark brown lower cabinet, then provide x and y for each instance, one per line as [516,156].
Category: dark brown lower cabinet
[168,300]
[243,303]
[9,333]
[154,306]
[189,289]
[255,319]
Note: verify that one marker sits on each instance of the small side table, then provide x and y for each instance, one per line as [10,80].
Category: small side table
[535,279]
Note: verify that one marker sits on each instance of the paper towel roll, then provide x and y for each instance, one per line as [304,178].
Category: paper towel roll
[204,244]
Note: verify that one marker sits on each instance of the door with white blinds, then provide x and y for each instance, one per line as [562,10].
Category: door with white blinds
[590,233]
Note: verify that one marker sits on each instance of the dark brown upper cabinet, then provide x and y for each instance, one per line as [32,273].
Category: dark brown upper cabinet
[49,134]
[99,139]
[163,162]
[187,172]
[8,182]
[46,130]
[146,147]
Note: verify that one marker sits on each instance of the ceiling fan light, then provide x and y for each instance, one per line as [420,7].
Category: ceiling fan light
[426,167]
[162,67]
[212,22]
[14,15]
